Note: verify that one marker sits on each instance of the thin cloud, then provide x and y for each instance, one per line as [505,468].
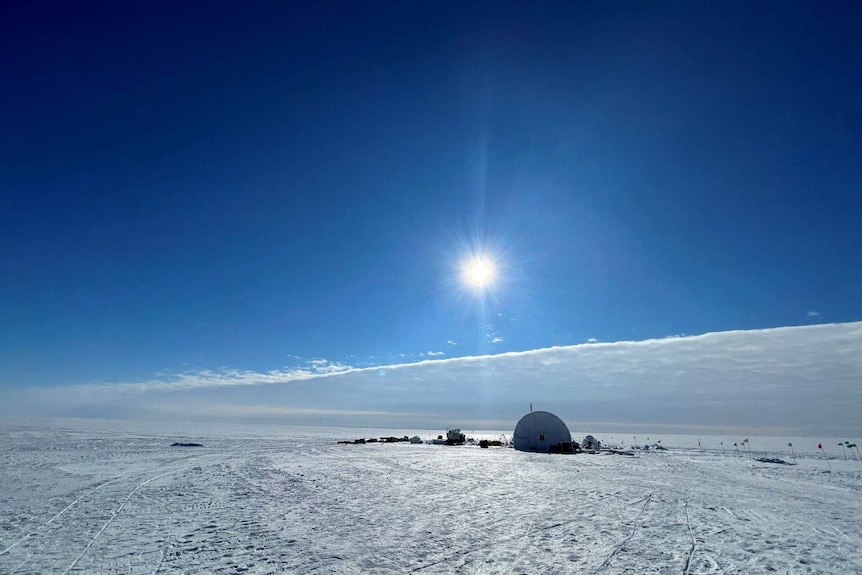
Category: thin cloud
[813,314]
[802,378]
[269,411]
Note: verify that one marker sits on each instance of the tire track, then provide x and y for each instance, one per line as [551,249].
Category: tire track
[58,515]
[618,547]
[693,547]
[161,561]
[114,516]
[178,465]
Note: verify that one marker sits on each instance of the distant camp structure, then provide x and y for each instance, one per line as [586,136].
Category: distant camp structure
[453,437]
[542,432]
[590,443]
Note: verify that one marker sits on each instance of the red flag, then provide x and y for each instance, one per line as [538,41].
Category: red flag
[819,446]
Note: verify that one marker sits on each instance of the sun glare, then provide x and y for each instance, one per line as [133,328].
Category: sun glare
[479,272]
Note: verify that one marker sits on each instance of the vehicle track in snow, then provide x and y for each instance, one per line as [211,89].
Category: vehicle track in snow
[48,547]
[35,532]
[90,515]
[618,547]
[114,516]
[691,550]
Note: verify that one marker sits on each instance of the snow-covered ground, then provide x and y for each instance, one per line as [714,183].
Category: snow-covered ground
[114,500]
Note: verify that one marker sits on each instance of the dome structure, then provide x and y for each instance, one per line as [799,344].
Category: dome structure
[590,443]
[542,432]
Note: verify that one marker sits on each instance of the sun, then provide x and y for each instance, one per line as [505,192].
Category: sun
[479,272]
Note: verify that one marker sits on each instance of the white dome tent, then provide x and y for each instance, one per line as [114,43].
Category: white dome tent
[542,432]
[591,443]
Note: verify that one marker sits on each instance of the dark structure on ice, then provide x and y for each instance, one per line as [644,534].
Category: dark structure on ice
[773,460]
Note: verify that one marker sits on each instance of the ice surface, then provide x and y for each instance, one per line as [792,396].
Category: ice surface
[78,500]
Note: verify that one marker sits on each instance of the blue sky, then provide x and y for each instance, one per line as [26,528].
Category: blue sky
[208,187]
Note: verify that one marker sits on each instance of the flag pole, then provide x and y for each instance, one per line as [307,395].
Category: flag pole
[843,448]
[825,456]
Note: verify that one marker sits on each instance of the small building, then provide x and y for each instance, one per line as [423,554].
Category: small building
[542,432]
[590,443]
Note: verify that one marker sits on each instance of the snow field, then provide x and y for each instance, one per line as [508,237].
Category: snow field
[111,503]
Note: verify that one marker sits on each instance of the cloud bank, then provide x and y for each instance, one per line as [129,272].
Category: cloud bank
[789,380]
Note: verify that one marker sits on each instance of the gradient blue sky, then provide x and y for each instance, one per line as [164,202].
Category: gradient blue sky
[254,186]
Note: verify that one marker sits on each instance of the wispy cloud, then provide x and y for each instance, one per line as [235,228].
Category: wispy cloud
[493,335]
[813,314]
[805,378]
[323,366]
